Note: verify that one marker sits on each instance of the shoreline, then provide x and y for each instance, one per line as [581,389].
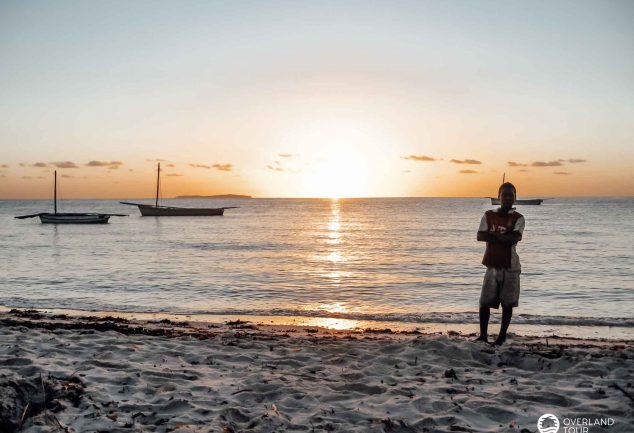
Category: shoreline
[615,333]
[74,374]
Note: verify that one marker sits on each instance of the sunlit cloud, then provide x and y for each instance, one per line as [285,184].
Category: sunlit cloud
[285,155]
[173,174]
[468,171]
[113,165]
[171,165]
[547,163]
[40,165]
[4,165]
[576,160]
[223,167]
[64,164]
[516,164]
[563,173]
[66,176]
[27,177]
[155,160]
[466,161]
[419,158]
[274,168]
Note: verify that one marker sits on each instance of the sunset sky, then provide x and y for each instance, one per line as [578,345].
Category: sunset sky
[316,99]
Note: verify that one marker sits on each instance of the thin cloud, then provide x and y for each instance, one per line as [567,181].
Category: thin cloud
[113,165]
[419,158]
[516,164]
[223,167]
[4,165]
[468,172]
[27,177]
[563,173]
[171,165]
[154,160]
[64,164]
[173,174]
[466,161]
[271,167]
[576,160]
[286,155]
[66,176]
[199,165]
[547,163]
[523,169]
[40,165]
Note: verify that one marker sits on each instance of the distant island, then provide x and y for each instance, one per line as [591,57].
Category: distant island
[215,196]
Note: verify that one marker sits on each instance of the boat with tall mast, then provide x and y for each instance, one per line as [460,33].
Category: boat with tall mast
[69,217]
[526,201]
[157,210]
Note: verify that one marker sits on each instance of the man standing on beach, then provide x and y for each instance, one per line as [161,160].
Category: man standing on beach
[501,229]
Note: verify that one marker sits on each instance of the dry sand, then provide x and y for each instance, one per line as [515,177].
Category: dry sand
[94,374]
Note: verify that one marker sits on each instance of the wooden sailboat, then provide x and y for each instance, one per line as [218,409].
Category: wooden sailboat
[69,218]
[156,210]
[527,201]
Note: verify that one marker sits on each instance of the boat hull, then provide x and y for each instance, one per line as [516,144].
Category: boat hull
[74,218]
[529,201]
[179,211]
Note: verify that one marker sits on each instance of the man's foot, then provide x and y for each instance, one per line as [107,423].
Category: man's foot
[481,338]
[499,341]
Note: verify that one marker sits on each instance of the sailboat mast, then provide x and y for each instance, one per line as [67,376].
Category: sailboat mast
[158,178]
[55,192]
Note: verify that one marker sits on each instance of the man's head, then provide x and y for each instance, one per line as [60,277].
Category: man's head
[507,194]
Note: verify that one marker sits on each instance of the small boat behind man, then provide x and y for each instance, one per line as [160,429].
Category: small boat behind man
[526,201]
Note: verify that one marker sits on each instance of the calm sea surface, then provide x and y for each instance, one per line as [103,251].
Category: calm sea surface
[397,259]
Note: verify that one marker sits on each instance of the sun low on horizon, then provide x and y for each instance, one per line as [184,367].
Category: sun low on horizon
[333,99]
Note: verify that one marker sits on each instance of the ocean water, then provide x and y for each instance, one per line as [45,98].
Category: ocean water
[391,259]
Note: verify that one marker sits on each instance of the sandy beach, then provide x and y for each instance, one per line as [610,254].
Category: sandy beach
[61,373]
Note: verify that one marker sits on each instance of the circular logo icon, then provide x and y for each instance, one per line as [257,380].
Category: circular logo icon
[548,423]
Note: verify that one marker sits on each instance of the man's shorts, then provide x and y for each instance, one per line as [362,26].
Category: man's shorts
[500,286]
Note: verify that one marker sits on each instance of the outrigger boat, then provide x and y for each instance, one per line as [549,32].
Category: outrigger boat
[527,201]
[67,217]
[156,210]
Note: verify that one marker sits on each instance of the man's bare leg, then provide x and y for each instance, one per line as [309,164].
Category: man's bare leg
[507,313]
[485,313]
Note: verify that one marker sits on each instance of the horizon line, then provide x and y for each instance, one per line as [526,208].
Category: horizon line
[300,197]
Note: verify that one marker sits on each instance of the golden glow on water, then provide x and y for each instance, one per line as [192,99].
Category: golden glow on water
[338,324]
[337,307]
[334,252]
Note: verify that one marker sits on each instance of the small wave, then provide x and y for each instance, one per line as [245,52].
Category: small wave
[427,317]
